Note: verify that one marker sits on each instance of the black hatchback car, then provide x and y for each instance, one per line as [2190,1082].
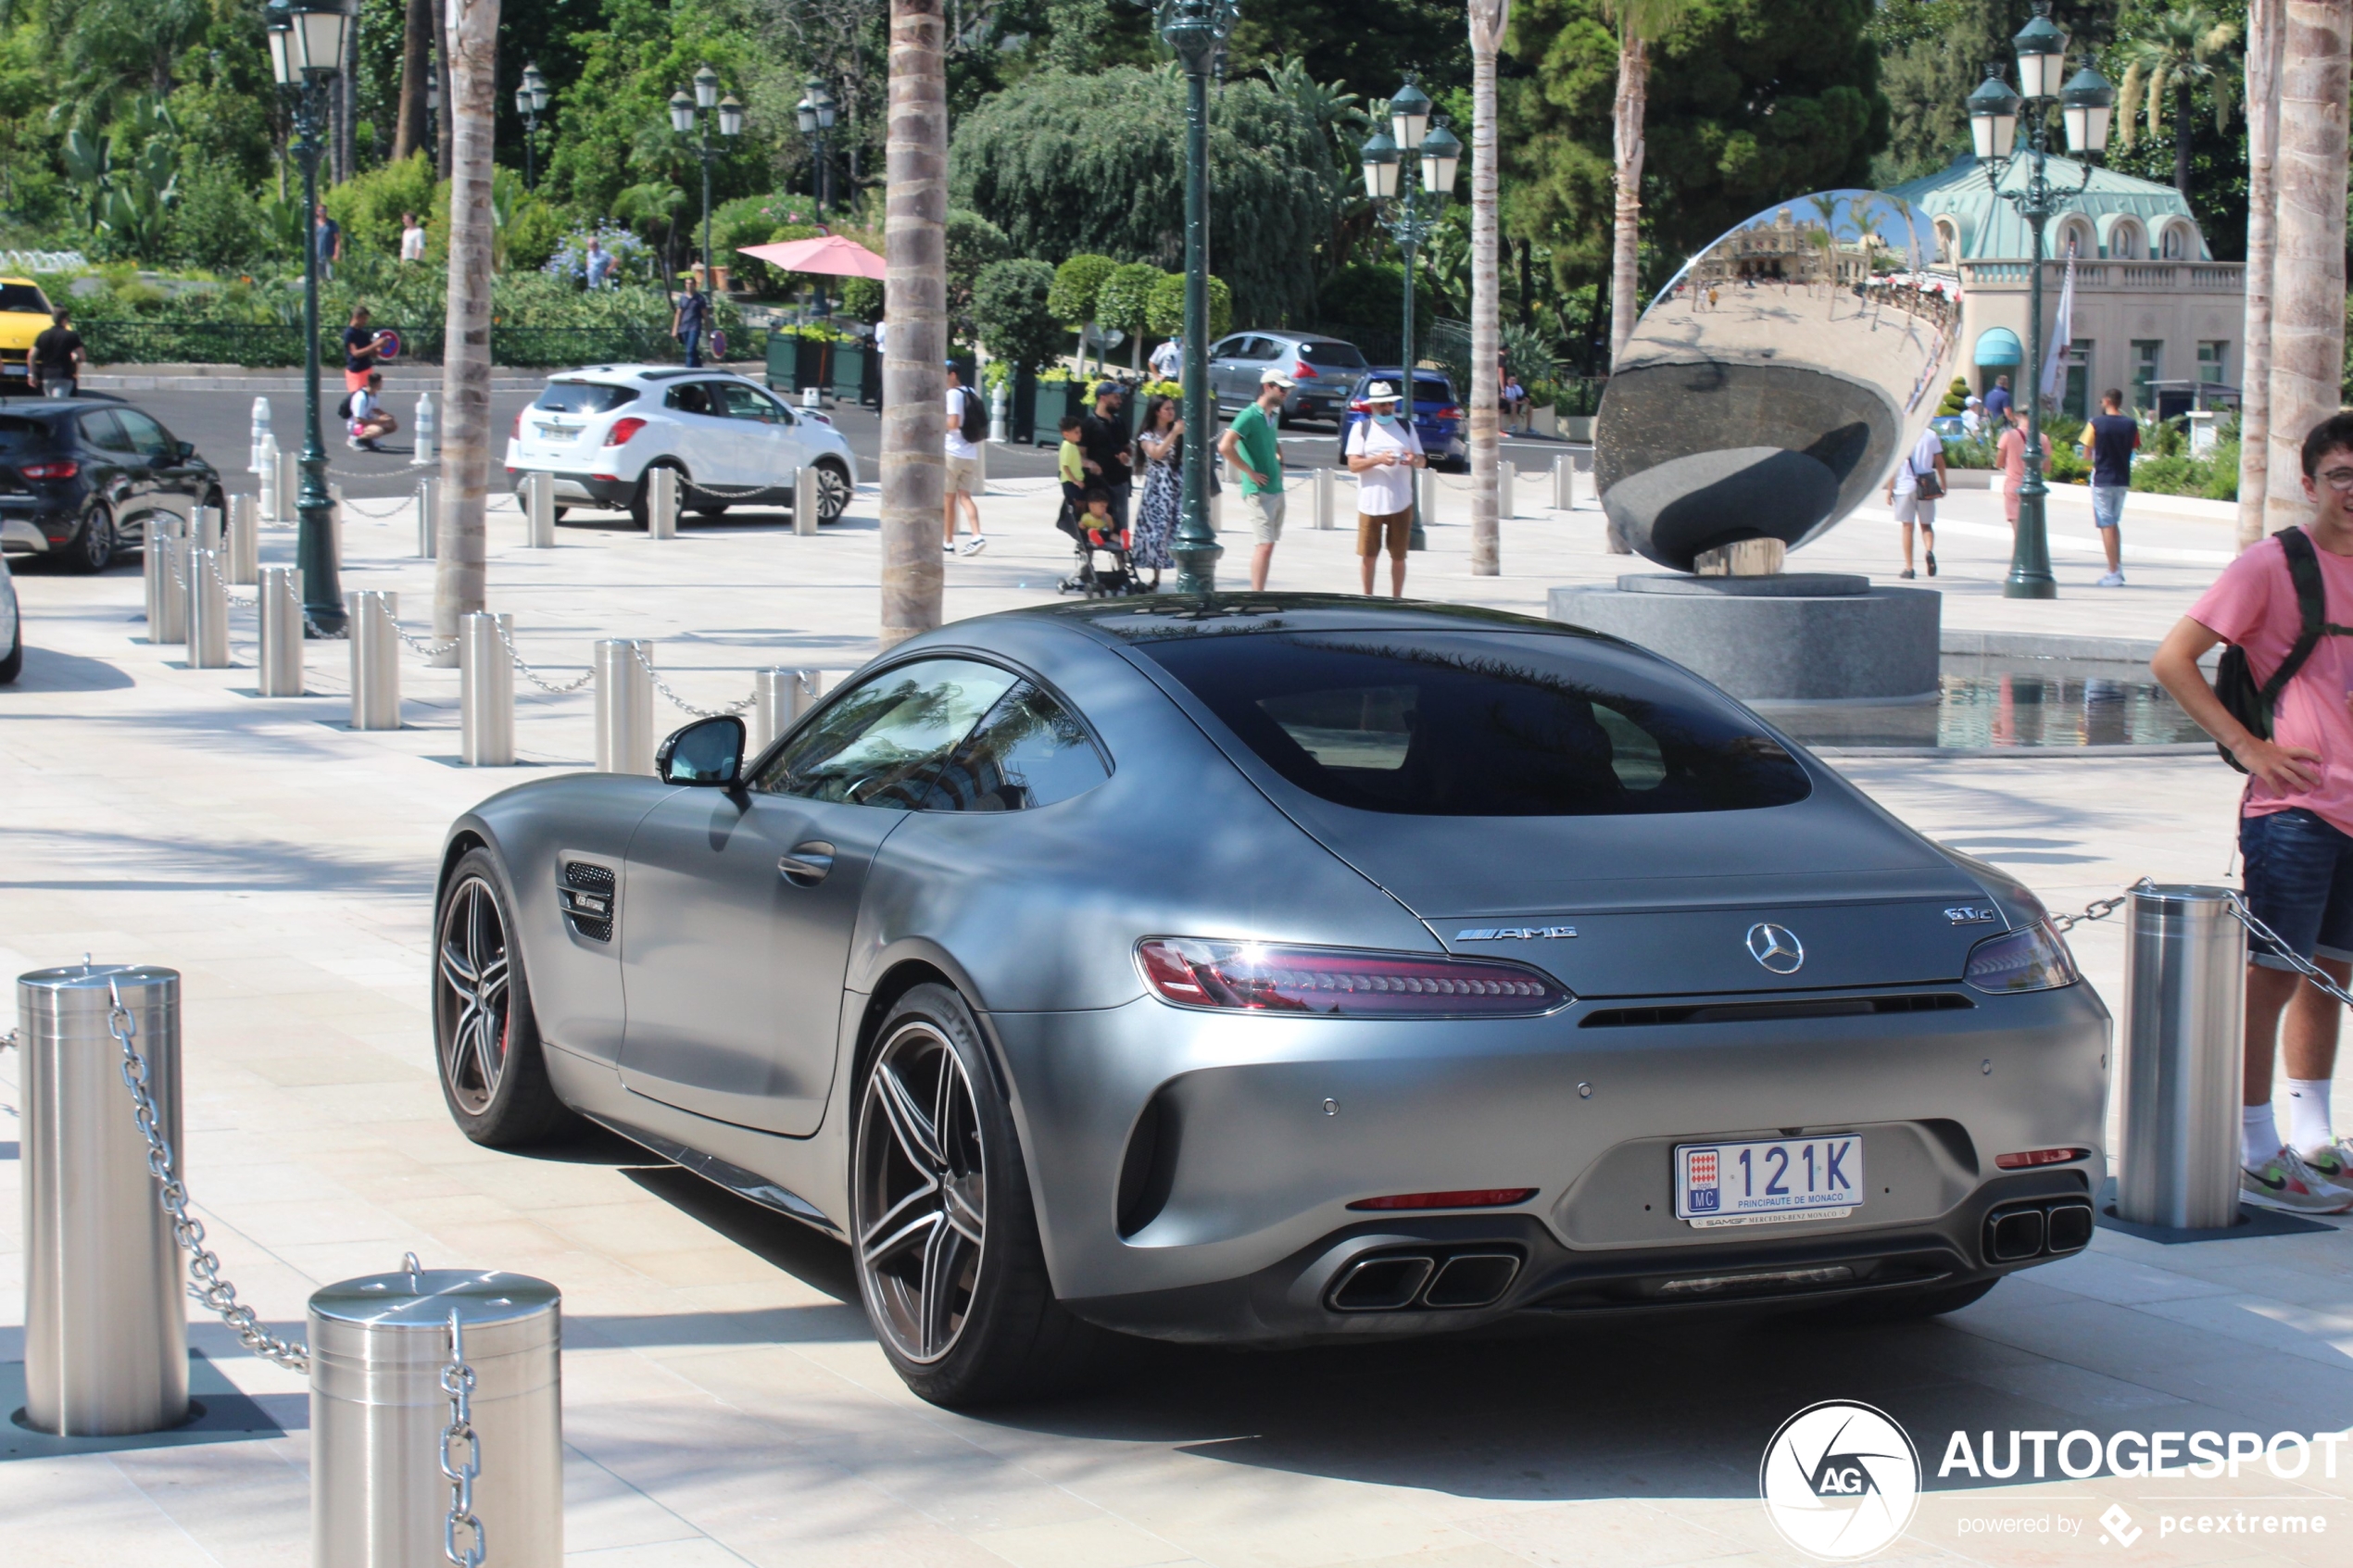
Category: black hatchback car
[78,478]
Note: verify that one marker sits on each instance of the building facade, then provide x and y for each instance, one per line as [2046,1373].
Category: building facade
[2155,316]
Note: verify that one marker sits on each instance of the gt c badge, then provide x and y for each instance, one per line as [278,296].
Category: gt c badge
[1970,914]
[1512,933]
[1777,947]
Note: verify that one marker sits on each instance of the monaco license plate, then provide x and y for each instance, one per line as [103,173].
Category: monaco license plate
[1768,1182]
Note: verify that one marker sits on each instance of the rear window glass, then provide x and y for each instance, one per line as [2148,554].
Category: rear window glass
[23,297]
[583,397]
[1343,354]
[1482,724]
[22,435]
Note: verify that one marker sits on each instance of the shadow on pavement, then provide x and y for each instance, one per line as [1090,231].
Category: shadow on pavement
[48,670]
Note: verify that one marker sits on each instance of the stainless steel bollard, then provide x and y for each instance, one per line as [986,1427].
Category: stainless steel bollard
[779,699]
[289,485]
[1426,495]
[625,706]
[980,468]
[208,612]
[1564,482]
[165,543]
[273,503]
[372,619]
[262,441]
[428,517]
[2185,977]
[244,542]
[804,500]
[1507,487]
[662,503]
[378,1344]
[485,691]
[278,606]
[1324,498]
[424,431]
[205,528]
[105,1337]
[540,512]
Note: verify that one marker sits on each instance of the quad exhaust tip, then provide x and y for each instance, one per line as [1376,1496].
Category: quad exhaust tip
[2016,1234]
[1397,1282]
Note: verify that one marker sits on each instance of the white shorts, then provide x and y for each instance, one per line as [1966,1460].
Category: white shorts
[1910,507]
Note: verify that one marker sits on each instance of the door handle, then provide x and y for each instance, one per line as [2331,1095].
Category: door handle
[808,864]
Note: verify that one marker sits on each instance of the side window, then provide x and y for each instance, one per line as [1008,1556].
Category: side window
[1225,348]
[689,397]
[880,743]
[740,402]
[1029,751]
[145,436]
[103,431]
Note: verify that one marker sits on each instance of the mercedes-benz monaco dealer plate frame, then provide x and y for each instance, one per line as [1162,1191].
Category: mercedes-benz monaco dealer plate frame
[1734,1184]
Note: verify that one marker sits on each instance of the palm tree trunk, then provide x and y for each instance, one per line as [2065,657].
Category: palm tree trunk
[1487,21]
[444,148]
[2182,127]
[416,60]
[1633,98]
[471,46]
[916,304]
[2308,322]
[2255,370]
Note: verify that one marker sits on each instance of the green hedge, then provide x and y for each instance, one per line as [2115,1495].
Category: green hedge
[271,345]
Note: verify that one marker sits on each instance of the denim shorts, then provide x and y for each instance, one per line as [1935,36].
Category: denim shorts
[2299,882]
[2107,503]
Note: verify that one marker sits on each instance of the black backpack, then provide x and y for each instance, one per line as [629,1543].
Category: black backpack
[2249,703]
[974,417]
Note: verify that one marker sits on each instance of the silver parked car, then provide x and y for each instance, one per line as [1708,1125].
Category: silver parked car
[1272,969]
[1321,370]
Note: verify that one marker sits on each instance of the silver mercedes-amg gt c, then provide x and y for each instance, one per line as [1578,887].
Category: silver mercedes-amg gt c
[1271,969]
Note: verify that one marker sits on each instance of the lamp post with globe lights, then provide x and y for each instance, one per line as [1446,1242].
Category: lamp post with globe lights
[531,99]
[1396,194]
[816,113]
[307,39]
[703,108]
[2085,103]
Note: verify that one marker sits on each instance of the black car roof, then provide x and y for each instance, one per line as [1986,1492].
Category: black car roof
[1196,615]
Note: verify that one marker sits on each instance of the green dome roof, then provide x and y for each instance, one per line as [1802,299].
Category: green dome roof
[1991,229]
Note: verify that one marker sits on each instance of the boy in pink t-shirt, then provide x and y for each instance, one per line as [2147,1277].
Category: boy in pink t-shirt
[2296,825]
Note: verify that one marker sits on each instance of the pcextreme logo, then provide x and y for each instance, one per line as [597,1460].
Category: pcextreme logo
[1840,1480]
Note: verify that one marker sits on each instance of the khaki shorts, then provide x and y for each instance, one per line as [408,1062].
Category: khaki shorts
[1398,526]
[963,476]
[1267,522]
[1910,507]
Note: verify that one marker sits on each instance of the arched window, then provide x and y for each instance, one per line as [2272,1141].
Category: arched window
[2179,242]
[2124,242]
[2078,235]
[1949,240]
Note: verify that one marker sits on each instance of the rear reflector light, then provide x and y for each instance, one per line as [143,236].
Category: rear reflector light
[622,431]
[2028,1159]
[1478,1197]
[606,477]
[65,468]
[1341,983]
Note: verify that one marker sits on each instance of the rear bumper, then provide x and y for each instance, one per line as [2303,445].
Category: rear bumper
[20,535]
[583,490]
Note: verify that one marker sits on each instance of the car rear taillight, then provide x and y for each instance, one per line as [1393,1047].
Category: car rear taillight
[1448,413]
[518,414]
[1358,406]
[2029,959]
[2030,1158]
[1304,371]
[1479,1198]
[62,468]
[1340,981]
[622,431]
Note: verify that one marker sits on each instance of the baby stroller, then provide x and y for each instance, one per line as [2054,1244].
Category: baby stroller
[1104,570]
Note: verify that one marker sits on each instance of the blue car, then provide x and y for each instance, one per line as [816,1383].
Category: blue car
[1439,415]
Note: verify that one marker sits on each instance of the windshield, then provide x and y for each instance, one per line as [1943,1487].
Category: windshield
[583,397]
[1341,354]
[1482,723]
[23,299]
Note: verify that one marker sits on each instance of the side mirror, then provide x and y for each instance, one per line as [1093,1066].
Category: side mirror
[709,751]
[183,450]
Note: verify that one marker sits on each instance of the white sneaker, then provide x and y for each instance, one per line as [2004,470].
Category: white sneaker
[2285,1181]
[949,548]
[2332,1164]
[976,544]
[352,442]
[2112,580]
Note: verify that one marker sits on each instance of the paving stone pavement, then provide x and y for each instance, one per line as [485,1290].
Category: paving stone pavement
[724,1403]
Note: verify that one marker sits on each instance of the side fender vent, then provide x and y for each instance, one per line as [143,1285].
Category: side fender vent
[586,894]
[1148,1173]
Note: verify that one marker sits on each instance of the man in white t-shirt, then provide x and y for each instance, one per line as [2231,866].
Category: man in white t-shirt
[1382,453]
[1169,359]
[1925,461]
[963,464]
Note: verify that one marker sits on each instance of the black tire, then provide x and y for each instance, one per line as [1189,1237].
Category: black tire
[977,1323]
[558,512]
[487,1050]
[12,662]
[93,544]
[1909,1306]
[833,490]
[710,511]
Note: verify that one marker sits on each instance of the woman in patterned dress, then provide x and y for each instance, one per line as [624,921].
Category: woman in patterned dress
[1164,443]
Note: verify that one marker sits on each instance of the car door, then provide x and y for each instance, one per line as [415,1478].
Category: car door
[742,903]
[703,434]
[121,479]
[169,473]
[762,431]
[1222,355]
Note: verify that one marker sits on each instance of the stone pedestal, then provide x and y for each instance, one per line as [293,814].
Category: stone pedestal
[1806,636]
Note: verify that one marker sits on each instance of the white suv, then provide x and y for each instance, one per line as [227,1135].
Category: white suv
[598,431]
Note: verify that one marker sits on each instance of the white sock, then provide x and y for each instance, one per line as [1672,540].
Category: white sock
[2308,1114]
[2258,1135]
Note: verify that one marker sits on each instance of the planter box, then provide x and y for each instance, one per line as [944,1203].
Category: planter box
[1543,422]
[849,373]
[1577,427]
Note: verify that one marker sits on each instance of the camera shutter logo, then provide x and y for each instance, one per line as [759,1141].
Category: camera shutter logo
[1840,1480]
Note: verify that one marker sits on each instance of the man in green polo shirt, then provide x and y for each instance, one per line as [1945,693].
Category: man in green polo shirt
[1249,444]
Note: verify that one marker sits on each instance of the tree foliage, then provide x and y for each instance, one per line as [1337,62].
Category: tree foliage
[1011,312]
[1164,307]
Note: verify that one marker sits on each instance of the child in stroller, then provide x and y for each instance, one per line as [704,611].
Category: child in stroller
[1085,517]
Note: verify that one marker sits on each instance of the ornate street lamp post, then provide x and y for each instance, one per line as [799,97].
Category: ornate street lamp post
[1437,152]
[683,115]
[530,97]
[306,51]
[2085,104]
[816,112]
[1197,30]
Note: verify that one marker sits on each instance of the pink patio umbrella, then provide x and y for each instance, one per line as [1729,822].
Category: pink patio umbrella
[827,254]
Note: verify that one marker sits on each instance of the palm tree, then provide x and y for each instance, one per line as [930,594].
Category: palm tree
[1639,22]
[2177,52]
[915,305]
[1488,19]
[2308,322]
[459,581]
[1826,205]
[2255,374]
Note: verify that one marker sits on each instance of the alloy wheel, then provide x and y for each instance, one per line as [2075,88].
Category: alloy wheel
[833,493]
[922,1193]
[472,996]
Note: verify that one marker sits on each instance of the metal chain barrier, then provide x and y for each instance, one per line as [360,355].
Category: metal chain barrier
[458,1382]
[203,1268]
[528,673]
[2098,908]
[212,565]
[679,702]
[2302,966]
[419,646]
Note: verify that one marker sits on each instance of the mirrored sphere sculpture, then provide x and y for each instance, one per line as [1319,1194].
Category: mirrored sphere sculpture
[1773,383]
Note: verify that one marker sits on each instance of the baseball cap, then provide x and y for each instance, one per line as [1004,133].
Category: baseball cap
[1380,391]
[1107,389]
[1273,377]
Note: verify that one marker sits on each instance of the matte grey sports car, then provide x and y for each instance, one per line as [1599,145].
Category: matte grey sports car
[1272,969]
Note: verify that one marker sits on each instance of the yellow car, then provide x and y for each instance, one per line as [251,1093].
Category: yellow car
[24,315]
